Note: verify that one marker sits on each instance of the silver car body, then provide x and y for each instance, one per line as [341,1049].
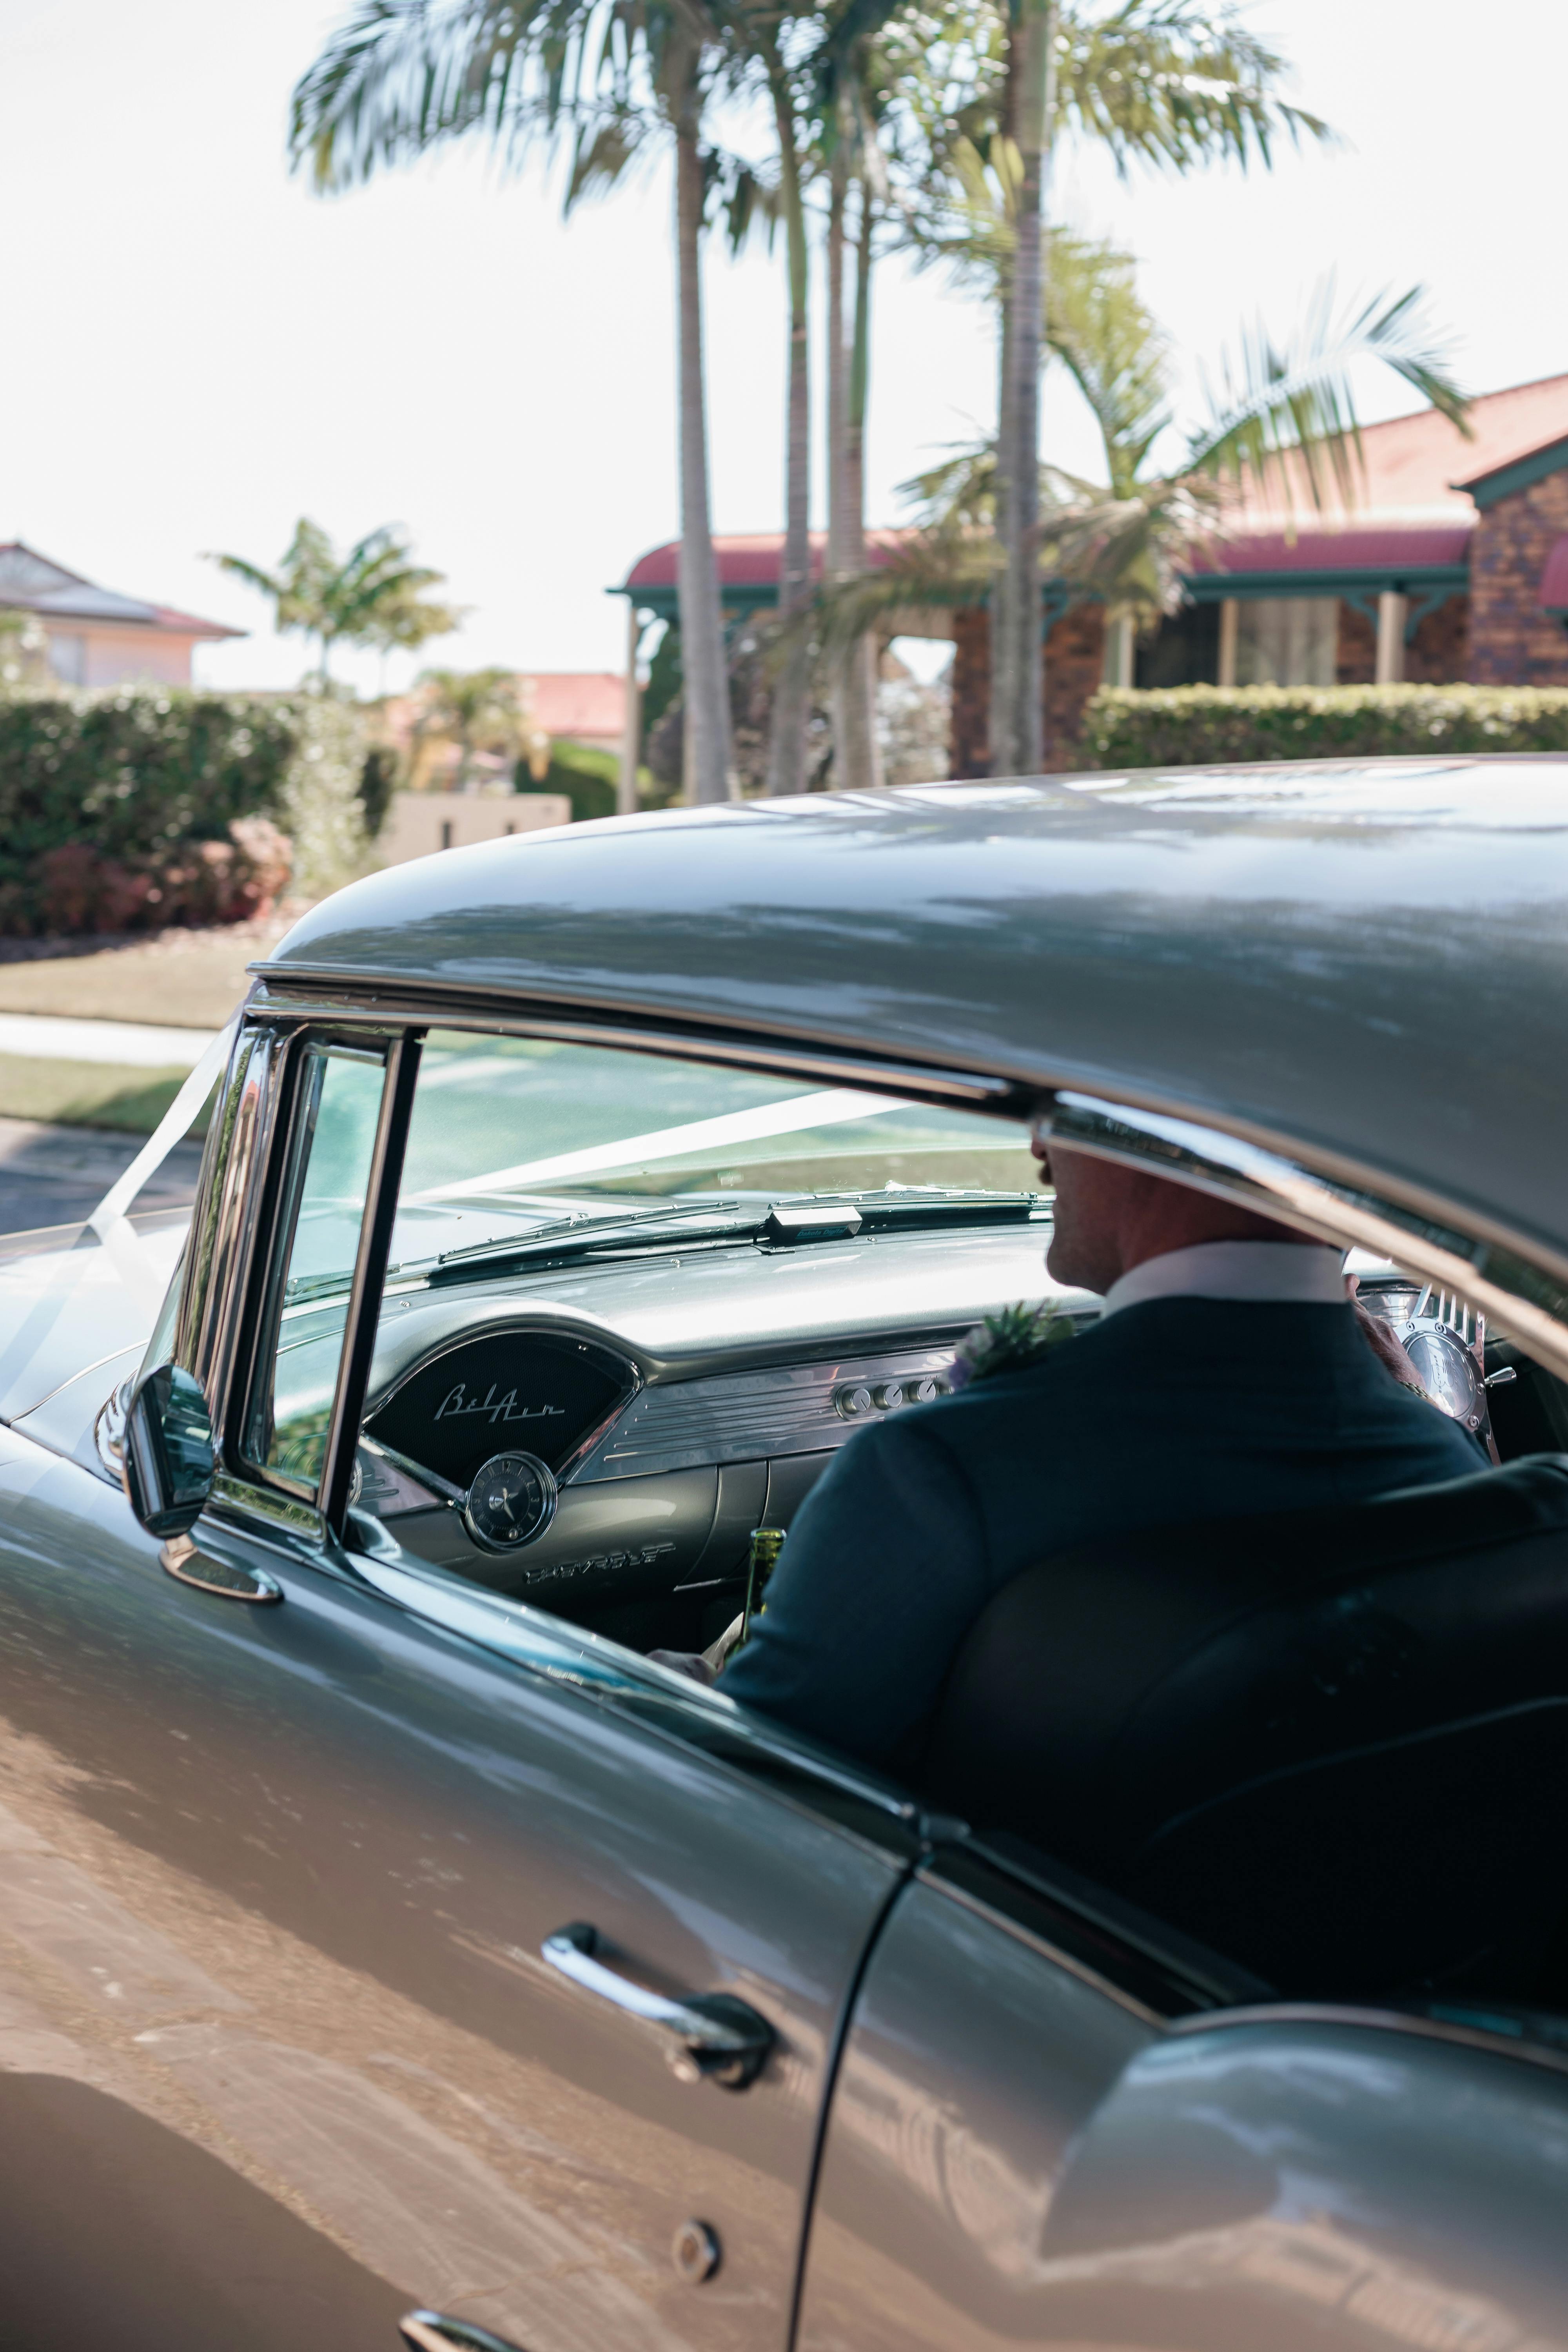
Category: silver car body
[285,2053]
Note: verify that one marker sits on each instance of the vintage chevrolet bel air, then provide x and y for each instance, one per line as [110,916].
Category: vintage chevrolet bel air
[389,1939]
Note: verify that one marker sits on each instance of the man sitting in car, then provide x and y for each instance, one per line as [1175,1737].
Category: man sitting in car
[1229,1373]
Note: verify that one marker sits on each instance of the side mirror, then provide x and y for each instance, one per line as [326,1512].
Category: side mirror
[168,1462]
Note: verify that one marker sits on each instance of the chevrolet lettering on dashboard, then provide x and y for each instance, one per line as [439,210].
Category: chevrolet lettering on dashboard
[562,1571]
[457,1403]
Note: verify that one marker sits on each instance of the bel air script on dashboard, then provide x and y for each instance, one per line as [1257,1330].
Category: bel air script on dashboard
[457,1403]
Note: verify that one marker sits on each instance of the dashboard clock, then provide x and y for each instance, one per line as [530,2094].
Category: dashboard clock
[511,1501]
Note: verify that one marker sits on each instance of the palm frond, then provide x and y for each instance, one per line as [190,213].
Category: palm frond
[1112,347]
[1169,82]
[268,583]
[750,202]
[403,76]
[934,569]
[1286,415]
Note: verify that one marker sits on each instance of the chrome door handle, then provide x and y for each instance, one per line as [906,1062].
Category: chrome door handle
[708,2035]
[431,2331]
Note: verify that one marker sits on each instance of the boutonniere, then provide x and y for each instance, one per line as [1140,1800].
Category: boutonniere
[1009,1342]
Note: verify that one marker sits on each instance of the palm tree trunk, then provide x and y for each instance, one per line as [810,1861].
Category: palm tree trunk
[792,693]
[1016,744]
[837,562]
[1004,680]
[705,674]
[855,708]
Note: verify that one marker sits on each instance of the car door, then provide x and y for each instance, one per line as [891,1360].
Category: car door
[1047,2130]
[345,1914]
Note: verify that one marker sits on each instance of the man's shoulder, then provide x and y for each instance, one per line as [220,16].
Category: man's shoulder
[1072,1368]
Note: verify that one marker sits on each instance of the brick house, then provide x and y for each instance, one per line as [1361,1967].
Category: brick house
[1453,565]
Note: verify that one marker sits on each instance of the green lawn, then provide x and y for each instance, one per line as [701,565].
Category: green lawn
[88,1094]
[185,979]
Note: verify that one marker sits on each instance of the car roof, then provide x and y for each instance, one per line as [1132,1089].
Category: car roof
[1362,961]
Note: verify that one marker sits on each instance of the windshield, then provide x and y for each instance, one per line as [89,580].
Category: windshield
[516,1136]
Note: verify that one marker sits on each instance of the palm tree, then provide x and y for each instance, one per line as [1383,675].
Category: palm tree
[373,595]
[405,76]
[477,709]
[1283,422]
[1164,82]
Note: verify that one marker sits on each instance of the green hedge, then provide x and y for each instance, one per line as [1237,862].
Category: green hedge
[1201,726]
[588,775]
[118,809]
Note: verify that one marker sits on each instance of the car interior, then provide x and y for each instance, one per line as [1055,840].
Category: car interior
[634,1305]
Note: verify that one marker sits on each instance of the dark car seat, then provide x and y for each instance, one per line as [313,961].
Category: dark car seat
[1332,1744]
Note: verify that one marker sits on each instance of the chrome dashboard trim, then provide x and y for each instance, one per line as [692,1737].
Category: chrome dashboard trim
[746,1416]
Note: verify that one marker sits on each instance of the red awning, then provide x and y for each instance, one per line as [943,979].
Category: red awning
[1317,546]
[1554,580]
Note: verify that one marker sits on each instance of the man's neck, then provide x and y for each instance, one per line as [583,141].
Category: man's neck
[1280,1273]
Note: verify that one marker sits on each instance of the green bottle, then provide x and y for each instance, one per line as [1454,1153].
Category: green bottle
[766,1545]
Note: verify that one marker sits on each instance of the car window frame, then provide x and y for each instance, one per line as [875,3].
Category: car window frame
[294,1148]
[234,1279]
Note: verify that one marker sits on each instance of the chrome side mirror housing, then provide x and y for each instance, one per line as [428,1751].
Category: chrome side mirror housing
[168,1464]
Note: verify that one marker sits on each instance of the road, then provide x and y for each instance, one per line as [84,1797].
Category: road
[58,1175]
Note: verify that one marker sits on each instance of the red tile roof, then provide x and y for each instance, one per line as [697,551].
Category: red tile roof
[750,558]
[187,624]
[1410,512]
[588,705]
[1318,547]
[1413,463]
[35,583]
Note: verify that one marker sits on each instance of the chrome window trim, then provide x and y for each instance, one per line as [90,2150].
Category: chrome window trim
[620,1028]
[1369,2016]
[1492,1271]
[224,1232]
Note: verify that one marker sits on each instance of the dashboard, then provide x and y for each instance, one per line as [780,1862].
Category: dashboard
[611,1439]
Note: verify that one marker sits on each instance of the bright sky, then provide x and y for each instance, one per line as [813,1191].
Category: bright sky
[199,350]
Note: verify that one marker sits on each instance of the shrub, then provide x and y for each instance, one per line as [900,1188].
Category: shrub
[318,805]
[135,809]
[586,774]
[1199,726]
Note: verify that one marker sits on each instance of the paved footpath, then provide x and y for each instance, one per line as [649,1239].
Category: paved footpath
[131,1044]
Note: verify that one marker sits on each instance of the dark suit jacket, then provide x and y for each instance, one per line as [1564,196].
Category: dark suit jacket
[1177,1410]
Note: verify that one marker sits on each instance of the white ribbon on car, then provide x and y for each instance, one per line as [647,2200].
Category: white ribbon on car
[831,1106]
[110,1221]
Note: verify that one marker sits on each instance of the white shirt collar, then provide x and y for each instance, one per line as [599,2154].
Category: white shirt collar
[1300,1274]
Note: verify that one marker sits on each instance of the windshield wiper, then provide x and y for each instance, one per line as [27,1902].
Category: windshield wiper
[790,1222]
[581,1236]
